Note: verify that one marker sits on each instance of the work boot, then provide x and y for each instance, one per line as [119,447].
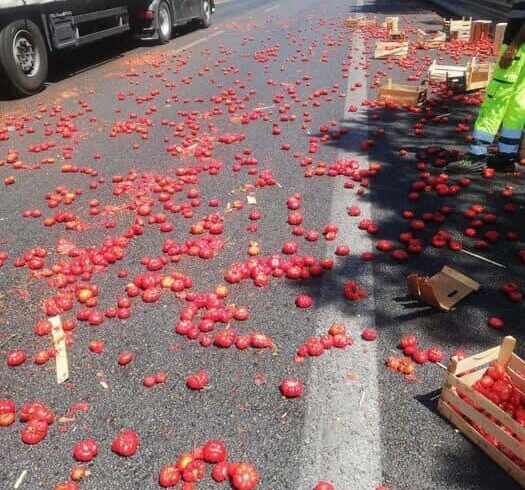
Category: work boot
[503,162]
[470,163]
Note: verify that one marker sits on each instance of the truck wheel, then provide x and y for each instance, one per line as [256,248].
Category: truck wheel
[23,56]
[164,22]
[206,13]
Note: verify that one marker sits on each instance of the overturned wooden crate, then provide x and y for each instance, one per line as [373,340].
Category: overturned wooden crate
[457,29]
[476,416]
[402,93]
[395,50]
[430,40]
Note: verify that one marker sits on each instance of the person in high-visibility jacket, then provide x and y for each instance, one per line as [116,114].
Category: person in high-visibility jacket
[503,106]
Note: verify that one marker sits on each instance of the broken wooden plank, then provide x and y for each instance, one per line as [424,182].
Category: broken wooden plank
[59,343]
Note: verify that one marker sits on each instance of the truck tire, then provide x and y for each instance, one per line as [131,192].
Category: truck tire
[205,19]
[23,56]
[164,22]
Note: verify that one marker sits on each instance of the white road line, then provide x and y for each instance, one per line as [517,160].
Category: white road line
[341,441]
[198,41]
[269,9]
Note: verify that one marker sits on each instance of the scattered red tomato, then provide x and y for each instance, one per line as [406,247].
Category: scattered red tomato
[369,334]
[84,451]
[169,476]
[214,451]
[16,357]
[244,477]
[291,387]
[34,431]
[126,443]
[7,412]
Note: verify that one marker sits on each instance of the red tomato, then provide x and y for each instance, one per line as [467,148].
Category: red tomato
[291,387]
[322,485]
[16,357]
[502,389]
[194,471]
[184,460]
[220,471]
[7,412]
[68,485]
[85,450]
[214,451]
[486,382]
[34,431]
[126,443]
[96,346]
[36,410]
[244,477]
[125,357]
[496,371]
[169,476]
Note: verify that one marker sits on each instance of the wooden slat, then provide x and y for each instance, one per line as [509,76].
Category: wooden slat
[482,420]
[477,360]
[507,348]
[517,380]
[471,378]
[482,402]
[508,465]
[517,363]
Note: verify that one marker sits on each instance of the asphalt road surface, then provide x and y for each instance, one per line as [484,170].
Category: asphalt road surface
[249,112]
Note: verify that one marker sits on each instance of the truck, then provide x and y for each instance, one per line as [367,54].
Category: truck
[33,30]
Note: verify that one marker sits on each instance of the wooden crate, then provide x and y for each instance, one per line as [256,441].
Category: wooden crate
[457,29]
[354,22]
[480,30]
[430,40]
[403,94]
[522,148]
[398,36]
[461,377]
[361,21]
[442,73]
[478,75]
[393,50]
[391,24]
[499,35]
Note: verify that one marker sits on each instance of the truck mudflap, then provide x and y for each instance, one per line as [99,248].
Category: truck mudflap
[62,30]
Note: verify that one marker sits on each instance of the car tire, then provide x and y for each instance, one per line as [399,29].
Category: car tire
[205,20]
[164,23]
[23,57]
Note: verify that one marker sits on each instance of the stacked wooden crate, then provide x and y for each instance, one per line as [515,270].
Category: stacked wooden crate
[457,29]
[480,31]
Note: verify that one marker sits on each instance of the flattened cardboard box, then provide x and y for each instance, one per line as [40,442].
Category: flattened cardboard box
[443,290]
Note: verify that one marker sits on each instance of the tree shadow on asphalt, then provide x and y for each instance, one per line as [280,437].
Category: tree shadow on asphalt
[466,326]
